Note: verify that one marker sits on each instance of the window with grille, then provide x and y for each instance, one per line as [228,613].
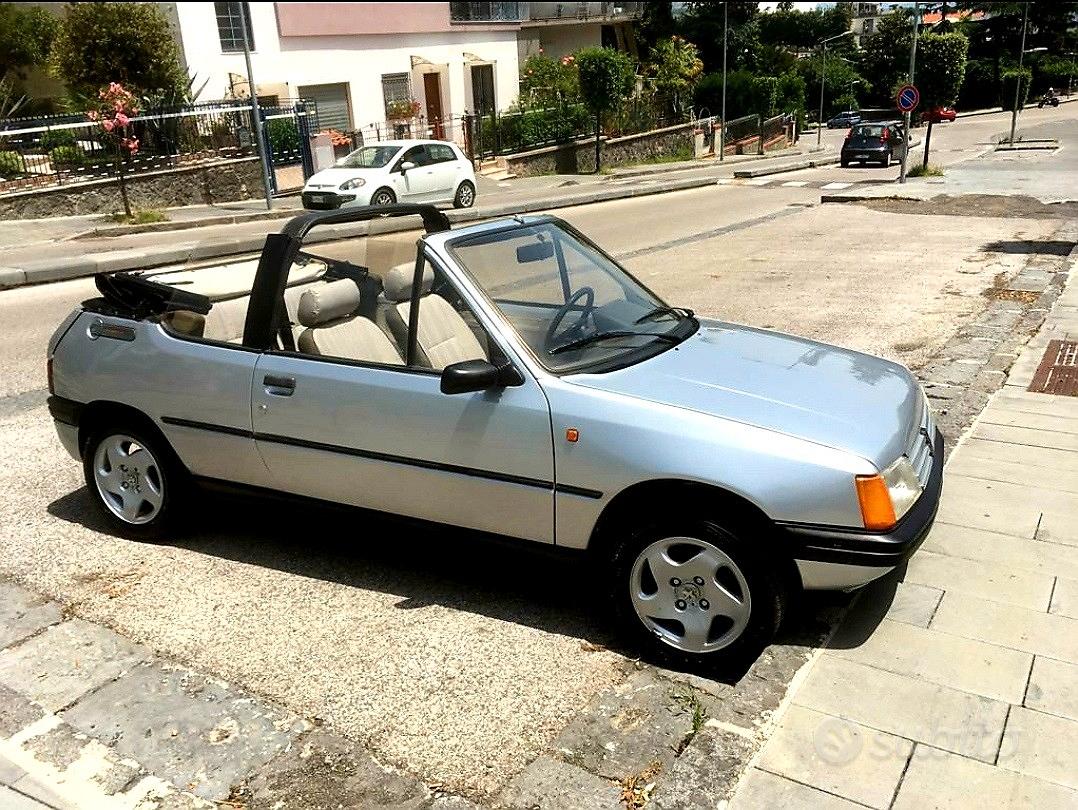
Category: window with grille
[395,87]
[230,26]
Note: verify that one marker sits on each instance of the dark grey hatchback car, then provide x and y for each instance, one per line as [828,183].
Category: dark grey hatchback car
[876,142]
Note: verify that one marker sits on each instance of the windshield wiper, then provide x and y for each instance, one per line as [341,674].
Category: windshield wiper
[613,333]
[681,312]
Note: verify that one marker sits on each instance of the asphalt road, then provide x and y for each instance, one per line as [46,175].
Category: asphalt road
[456,660]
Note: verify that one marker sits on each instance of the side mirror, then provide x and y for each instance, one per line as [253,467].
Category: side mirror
[407,166]
[477,375]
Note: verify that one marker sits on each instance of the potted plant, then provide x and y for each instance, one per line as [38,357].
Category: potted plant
[402,109]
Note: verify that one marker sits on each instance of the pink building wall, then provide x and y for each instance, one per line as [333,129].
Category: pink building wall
[345,19]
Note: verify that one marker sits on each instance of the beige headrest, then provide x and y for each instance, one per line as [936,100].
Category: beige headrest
[397,285]
[328,302]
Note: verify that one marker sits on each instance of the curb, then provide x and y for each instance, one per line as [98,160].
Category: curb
[705,163]
[138,259]
[183,225]
[790,167]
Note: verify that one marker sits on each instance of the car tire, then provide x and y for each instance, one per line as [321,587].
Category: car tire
[134,478]
[845,164]
[730,569]
[383,197]
[465,196]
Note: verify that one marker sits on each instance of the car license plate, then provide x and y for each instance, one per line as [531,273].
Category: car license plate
[859,157]
[319,198]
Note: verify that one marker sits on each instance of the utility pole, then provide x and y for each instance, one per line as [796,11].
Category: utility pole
[1018,78]
[722,132]
[255,114]
[906,116]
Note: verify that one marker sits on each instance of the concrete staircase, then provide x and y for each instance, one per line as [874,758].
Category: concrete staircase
[494,169]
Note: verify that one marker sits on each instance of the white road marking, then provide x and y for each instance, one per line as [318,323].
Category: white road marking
[724,181]
[760,181]
[795,184]
[835,186]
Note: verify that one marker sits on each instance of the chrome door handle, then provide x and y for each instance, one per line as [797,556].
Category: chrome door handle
[279,386]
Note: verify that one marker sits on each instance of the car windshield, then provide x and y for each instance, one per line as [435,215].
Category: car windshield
[573,306]
[368,157]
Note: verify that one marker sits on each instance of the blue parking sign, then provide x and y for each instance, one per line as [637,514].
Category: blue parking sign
[908,98]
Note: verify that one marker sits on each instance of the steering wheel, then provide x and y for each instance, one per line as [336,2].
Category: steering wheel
[566,308]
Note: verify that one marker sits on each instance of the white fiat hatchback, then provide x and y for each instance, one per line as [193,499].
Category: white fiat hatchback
[393,172]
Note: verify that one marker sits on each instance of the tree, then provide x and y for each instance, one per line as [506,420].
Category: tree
[702,24]
[676,68]
[548,83]
[841,76]
[113,109]
[885,56]
[26,34]
[606,79]
[128,43]
[941,67]
[1007,81]
[656,23]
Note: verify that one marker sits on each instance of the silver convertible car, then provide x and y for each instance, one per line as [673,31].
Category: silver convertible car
[510,378]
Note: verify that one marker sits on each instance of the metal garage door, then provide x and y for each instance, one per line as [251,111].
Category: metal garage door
[332,101]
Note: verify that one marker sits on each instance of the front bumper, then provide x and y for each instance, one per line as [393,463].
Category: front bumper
[325,200]
[846,550]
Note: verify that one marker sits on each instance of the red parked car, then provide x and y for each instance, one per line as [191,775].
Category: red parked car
[938,115]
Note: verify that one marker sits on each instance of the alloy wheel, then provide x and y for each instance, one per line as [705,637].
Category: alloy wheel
[691,594]
[128,479]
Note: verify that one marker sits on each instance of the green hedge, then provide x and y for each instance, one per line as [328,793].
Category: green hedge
[66,157]
[11,165]
[1008,78]
[517,131]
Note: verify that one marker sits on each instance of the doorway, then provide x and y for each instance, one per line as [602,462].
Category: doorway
[432,91]
[483,89]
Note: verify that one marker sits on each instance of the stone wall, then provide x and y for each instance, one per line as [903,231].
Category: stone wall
[579,157]
[223,181]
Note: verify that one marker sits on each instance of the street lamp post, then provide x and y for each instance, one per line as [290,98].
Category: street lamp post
[1018,78]
[906,116]
[255,114]
[849,94]
[823,80]
[722,132]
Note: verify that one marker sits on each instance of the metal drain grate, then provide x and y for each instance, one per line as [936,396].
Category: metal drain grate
[1058,371]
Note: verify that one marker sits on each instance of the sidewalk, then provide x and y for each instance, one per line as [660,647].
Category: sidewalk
[955,684]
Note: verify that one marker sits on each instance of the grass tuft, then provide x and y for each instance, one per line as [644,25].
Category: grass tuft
[139,217]
[920,170]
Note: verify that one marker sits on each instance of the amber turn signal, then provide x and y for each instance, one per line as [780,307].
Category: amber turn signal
[877,510]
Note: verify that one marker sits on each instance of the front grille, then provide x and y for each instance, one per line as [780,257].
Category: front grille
[920,450]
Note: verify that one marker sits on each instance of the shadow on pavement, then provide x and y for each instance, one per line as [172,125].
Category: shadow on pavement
[873,604]
[549,589]
[1049,247]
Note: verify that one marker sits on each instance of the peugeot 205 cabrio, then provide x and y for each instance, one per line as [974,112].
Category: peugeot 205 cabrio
[510,378]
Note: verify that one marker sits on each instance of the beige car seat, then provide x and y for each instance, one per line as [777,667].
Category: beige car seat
[443,337]
[333,329]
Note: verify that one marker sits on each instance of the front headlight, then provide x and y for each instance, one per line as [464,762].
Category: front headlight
[355,182]
[887,497]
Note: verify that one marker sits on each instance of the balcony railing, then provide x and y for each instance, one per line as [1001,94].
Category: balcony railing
[487,12]
[540,12]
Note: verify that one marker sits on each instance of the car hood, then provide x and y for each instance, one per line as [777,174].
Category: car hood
[334,177]
[831,396]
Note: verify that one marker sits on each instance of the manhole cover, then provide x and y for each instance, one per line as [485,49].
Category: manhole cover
[1058,371]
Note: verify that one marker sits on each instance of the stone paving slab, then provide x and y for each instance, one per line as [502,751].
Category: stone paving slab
[23,613]
[1008,552]
[13,800]
[1015,472]
[837,756]
[198,732]
[1041,745]
[1030,437]
[905,706]
[1053,688]
[68,661]
[1065,598]
[706,771]
[1033,458]
[551,784]
[981,578]
[938,779]
[996,623]
[914,604]
[972,666]
[762,789]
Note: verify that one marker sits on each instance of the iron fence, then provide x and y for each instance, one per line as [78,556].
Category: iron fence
[57,150]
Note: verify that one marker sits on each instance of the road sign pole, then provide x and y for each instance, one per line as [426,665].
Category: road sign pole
[906,117]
